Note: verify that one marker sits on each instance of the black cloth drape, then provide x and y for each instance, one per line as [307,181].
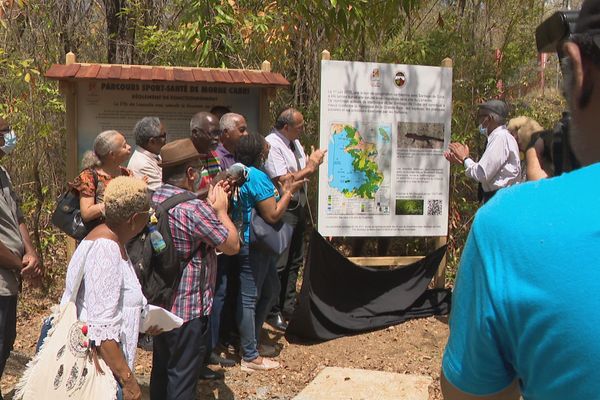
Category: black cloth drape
[339,298]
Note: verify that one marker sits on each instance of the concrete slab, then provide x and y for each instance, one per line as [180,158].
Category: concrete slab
[360,384]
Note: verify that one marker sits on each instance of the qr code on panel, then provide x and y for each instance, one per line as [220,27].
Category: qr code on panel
[434,207]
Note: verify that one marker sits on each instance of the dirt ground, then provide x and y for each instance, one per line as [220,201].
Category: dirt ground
[414,347]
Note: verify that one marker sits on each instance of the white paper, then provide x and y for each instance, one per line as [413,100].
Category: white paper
[160,317]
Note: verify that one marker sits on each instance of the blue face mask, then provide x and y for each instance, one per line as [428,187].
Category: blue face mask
[483,130]
[10,142]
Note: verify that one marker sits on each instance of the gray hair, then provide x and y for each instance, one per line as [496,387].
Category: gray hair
[286,117]
[103,145]
[228,121]
[497,118]
[145,129]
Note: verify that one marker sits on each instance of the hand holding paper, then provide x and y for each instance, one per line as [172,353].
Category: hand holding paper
[160,318]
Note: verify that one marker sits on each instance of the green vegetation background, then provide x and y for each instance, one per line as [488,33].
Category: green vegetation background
[34,34]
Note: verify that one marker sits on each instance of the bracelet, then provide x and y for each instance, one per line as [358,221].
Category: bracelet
[127,378]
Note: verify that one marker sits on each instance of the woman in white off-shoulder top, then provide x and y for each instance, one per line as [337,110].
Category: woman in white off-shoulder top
[110,299]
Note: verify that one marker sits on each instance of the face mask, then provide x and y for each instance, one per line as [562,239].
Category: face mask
[482,130]
[10,142]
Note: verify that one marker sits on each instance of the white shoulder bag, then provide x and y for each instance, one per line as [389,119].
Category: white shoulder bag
[66,367]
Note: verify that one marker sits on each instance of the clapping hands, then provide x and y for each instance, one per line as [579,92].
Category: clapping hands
[457,153]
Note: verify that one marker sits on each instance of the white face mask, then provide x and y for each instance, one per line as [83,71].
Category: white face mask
[10,142]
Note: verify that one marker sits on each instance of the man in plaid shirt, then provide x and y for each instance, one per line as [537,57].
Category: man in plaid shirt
[198,227]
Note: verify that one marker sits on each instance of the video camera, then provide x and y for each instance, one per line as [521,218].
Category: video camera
[554,31]
[550,36]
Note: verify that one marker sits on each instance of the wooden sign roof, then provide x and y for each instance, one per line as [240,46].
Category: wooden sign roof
[77,71]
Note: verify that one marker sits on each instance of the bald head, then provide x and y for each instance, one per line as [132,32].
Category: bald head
[290,123]
[204,131]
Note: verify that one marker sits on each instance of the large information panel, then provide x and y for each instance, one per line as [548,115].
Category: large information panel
[385,127]
[118,105]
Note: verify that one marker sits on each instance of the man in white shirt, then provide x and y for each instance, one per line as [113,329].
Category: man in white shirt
[499,165]
[287,156]
[150,137]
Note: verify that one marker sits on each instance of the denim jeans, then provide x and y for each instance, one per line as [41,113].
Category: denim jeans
[258,283]
[219,312]
[46,325]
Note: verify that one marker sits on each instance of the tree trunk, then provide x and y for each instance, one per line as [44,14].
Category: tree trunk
[119,32]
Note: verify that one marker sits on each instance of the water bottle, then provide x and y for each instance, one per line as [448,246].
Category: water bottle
[158,243]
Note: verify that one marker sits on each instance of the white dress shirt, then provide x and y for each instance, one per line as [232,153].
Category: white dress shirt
[144,163]
[499,165]
[282,159]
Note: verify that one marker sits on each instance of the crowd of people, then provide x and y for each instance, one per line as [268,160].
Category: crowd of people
[523,320]
[227,286]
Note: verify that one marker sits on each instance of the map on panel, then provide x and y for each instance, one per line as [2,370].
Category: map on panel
[359,163]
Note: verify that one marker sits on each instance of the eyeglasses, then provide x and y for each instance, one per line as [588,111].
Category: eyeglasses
[162,136]
[216,133]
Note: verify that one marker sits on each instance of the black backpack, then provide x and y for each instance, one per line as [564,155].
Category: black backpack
[67,215]
[159,274]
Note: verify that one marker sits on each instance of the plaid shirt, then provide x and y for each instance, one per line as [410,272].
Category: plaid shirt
[196,231]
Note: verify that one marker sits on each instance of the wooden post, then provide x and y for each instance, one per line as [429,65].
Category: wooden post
[325,56]
[439,281]
[264,123]
[447,63]
[266,66]
[69,90]
[70,58]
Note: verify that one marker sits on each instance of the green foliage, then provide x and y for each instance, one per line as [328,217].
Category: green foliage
[243,33]
[34,108]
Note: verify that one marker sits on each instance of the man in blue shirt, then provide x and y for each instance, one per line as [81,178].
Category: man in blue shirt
[526,310]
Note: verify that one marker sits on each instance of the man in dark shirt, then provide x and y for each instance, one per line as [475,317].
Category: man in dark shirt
[18,257]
